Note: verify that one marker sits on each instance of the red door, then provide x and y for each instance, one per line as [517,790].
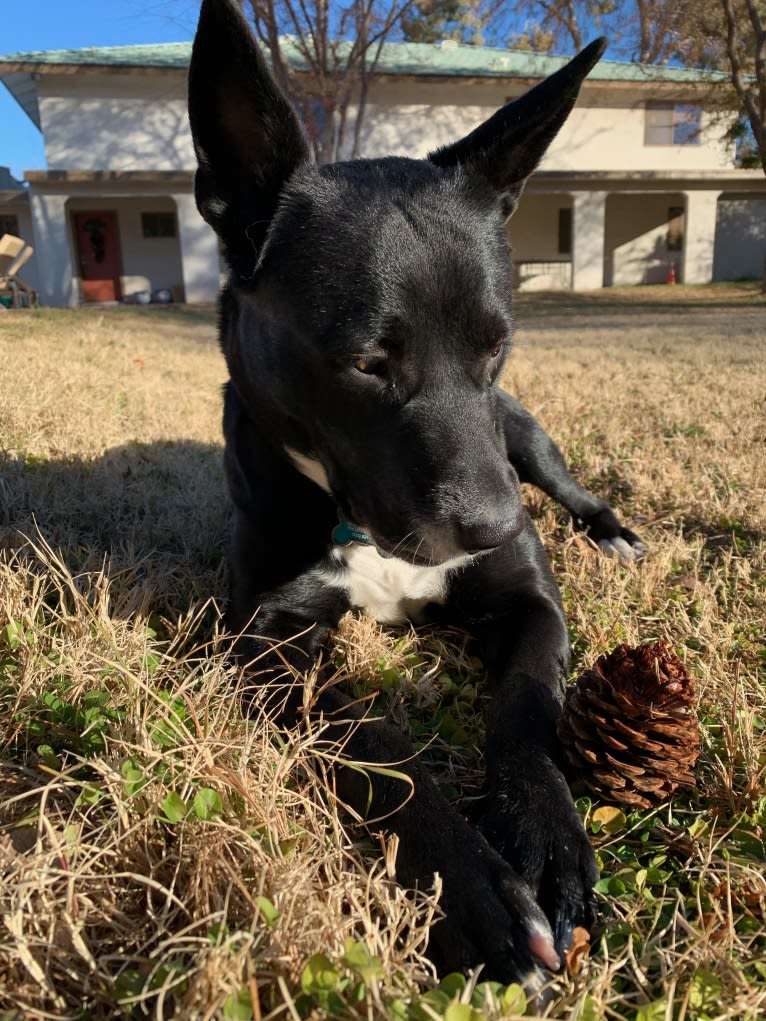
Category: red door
[98,249]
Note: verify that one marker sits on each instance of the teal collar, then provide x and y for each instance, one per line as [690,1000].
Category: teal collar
[345,533]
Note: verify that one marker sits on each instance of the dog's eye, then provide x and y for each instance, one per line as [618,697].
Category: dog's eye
[370,366]
[496,351]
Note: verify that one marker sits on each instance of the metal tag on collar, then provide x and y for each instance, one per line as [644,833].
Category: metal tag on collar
[345,533]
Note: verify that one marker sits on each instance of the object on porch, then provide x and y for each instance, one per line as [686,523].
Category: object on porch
[160,296]
[14,292]
[543,275]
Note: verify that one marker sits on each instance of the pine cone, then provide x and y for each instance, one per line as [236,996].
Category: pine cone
[629,726]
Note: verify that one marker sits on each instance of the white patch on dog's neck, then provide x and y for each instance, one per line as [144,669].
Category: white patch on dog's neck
[311,467]
[392,590]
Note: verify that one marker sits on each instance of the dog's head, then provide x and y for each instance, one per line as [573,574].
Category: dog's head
[368,313]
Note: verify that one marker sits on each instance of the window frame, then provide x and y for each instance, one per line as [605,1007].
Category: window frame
[682,123]
[157,216]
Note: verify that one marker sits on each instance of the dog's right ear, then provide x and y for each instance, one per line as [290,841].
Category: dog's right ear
[246,135]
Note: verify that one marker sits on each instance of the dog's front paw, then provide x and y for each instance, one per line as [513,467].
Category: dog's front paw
[531,820]
[626,546]
[491,917]
[612,538]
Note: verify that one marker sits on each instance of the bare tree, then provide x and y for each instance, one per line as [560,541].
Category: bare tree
[647,31]
[472,22]
[735,30]
[744,25]
[560,25]
[337,47]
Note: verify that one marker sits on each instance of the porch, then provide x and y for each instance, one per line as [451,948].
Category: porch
[587,230]
[121,235]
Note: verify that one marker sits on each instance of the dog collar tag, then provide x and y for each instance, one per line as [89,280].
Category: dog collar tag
[345,533]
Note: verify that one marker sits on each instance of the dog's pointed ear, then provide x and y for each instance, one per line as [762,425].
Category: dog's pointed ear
[246,135]
[505,149]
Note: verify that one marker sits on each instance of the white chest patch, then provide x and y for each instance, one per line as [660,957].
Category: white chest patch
[392,590]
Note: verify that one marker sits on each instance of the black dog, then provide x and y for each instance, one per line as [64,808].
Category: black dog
[373,462]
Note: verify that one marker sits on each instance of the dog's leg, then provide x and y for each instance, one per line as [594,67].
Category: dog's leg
[539,461]
[509,601]
[491,914]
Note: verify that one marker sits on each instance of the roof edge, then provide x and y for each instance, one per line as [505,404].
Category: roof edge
[446,59]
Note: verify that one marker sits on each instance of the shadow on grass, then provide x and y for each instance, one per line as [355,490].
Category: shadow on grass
[710,310]
[153,516]
[670,300]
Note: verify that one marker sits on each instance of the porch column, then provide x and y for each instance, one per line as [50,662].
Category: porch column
[588,222]
[699,236]
[199,252]
[53,250]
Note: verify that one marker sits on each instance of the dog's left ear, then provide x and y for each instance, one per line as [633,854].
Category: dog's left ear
[505,149]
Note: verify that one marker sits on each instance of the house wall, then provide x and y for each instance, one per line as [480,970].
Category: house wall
[21,212]
[534,228]
[740,237]
[603,132]
[115,122]
[636,239]
[135,121]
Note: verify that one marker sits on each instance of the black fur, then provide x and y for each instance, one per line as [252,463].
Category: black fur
[365,322]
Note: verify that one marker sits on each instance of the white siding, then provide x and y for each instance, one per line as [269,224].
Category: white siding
[740,237]
[602,133]
[636,239]
[115,122]
[136,122]
[534,228]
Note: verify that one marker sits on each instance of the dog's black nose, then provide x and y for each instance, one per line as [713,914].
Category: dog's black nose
[487,533]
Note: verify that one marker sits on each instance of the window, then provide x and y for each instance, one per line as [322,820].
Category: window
[672,124]
[565,231]
[9,225]
[158,225]
[675,235]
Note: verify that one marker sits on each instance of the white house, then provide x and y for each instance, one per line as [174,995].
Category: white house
[639,182]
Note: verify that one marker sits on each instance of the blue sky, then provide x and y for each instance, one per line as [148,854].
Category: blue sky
[65,24]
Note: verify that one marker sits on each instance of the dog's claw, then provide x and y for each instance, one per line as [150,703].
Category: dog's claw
[543,949]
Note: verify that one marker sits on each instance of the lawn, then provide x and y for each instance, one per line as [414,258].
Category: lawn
[160,856]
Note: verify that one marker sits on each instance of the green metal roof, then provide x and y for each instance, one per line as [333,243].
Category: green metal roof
[443,59]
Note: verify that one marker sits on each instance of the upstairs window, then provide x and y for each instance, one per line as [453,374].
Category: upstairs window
[672,124]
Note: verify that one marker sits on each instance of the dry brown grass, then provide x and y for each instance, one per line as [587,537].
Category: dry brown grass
[116,699]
